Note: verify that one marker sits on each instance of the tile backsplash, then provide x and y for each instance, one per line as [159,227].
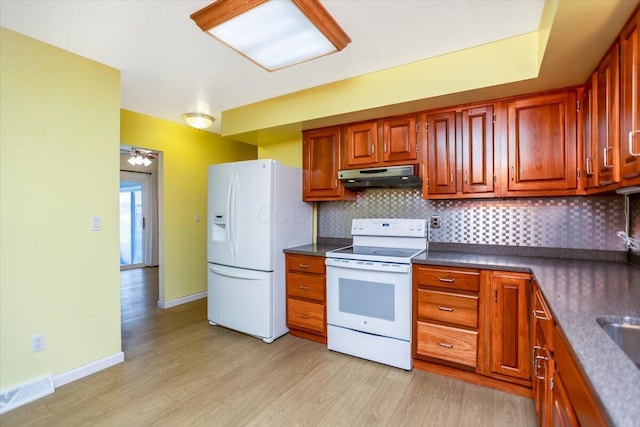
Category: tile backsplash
[554,222]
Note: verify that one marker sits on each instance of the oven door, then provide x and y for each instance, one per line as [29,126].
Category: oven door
[371,297]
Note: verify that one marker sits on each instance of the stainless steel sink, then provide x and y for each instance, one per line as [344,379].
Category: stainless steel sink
[624,331]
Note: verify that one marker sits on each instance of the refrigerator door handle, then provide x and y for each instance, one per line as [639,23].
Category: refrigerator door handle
[228,224]
[245,275]
[232,217]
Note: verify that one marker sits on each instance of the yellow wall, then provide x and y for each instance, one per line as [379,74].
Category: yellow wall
[59,133]
[186,153]
[288,152]
[509,60]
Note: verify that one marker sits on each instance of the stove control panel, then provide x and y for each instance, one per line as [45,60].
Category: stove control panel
[389,227]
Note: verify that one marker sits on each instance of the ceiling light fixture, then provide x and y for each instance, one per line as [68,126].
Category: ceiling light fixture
[140,157]
[273,33]
[198,120]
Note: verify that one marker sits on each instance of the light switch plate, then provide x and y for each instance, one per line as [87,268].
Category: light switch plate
[96,223]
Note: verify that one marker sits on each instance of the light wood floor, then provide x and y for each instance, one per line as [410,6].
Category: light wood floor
[181,371]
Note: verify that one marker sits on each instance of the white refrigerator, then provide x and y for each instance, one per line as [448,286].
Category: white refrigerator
[255,210]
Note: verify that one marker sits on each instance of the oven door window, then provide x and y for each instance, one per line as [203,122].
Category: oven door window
[369,299]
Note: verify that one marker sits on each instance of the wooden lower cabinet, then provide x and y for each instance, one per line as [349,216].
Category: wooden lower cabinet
[461,331]
[306,297]
[560,392]
[573,401]
[509,296]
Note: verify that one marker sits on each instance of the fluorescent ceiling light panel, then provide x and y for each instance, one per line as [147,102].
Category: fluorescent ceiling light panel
[274,34]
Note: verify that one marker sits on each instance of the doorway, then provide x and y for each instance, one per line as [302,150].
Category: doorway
[140,229]
[132,221]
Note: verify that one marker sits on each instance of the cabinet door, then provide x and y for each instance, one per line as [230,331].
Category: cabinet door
[541,377]
[361,144]
[510,349]
[441,153]
[477,150]
[541,143]
[562,412]
[320,160]
[629,94]
[589,145]
[607,119]
[399,139]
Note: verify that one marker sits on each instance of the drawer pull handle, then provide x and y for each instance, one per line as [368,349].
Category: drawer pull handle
[446,279]
[540,315]
[441,308]
[536,366]
[303,287]
[305,316]
[444,344]
[303,265]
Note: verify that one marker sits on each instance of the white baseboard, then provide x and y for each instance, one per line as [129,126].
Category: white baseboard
[88,369]
[183,300]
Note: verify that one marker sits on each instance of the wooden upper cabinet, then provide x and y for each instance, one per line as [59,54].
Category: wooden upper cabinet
[361,141]
[607,116]
[510,318]
[629,96]
[460,152]
[441,153]
[542,143]
[399,139]
[477,146]
[320,164]
[589,146]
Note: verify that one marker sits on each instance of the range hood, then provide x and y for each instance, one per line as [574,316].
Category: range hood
[383,177]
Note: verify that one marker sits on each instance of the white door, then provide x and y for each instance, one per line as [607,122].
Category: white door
[252,207]
[240,299]
[219,249]
[366,296]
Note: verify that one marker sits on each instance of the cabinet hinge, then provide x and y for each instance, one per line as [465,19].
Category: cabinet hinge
[427,181]
[417,147]
[577,105]
[494,118]
[578,173]
[417,127]
[426,127]
[495,179]
[551,383]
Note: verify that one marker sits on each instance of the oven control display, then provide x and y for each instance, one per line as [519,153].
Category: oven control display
[389,227]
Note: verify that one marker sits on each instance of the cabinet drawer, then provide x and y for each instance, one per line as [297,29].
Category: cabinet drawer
[306,315]
[443,342]
[306,286]
[542,315]
[458,278]
[447,307]
[305,264]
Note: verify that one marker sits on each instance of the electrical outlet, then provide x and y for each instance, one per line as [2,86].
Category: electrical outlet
[37,342]
[435,221]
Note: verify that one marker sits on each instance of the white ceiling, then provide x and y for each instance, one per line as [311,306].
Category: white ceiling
[170,67]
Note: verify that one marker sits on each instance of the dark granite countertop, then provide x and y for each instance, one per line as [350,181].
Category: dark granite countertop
[577,292]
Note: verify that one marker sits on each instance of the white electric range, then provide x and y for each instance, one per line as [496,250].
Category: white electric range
[369,290]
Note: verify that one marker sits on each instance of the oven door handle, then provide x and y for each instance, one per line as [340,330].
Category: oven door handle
[367,265]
